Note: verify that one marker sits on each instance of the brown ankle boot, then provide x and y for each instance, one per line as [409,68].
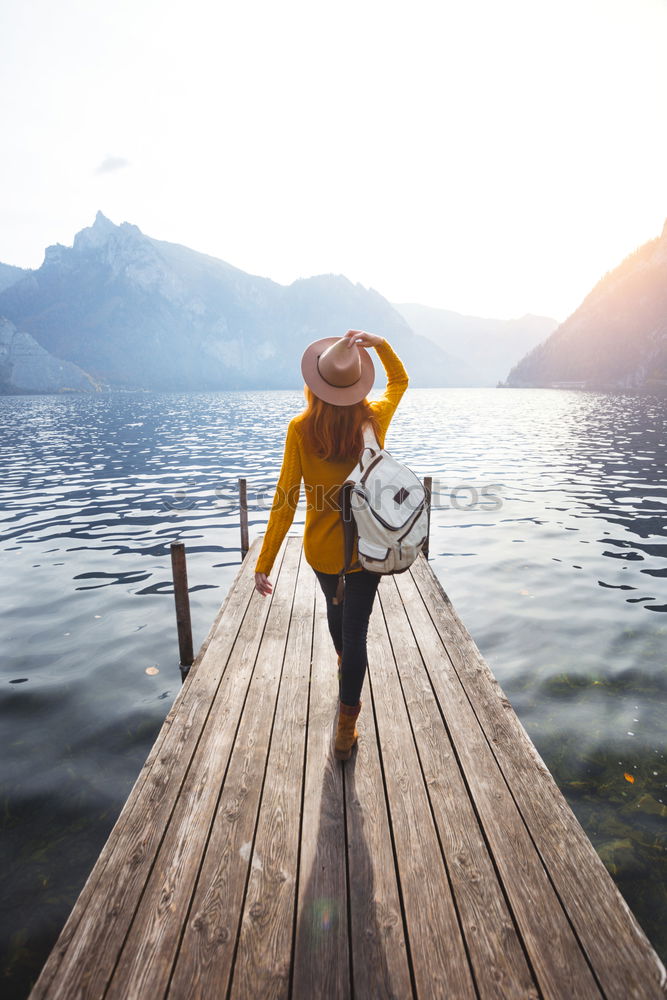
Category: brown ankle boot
[346,734]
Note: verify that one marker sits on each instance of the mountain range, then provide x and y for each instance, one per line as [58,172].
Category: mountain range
[129,311]
[119,309]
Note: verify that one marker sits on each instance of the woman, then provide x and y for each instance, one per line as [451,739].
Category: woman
[322,447]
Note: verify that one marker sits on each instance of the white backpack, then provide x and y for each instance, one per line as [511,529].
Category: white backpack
[383,506]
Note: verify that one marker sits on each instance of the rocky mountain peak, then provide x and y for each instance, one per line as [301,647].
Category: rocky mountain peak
[102,232]
[120,251]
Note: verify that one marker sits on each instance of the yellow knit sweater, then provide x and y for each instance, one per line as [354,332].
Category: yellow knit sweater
[323,531]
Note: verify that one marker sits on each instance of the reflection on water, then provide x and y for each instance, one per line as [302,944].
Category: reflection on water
[548,532]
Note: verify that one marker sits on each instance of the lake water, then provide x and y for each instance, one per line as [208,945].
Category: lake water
[548,531]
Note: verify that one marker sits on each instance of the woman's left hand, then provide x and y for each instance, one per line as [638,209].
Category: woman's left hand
[263,584]
[363,339]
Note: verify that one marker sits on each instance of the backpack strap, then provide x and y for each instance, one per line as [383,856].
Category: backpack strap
[370,441]
[349,524]
[371,445]
[349,537]
[340,589]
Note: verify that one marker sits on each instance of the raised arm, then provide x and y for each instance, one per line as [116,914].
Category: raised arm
[282,510]
[397,377]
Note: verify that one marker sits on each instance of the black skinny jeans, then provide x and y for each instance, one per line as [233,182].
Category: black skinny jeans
[348,625]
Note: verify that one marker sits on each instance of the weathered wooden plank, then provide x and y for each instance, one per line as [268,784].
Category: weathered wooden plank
[496,953]
[624,961]
[400,873]
[380,965]
[264,954]
[439,960]
[554,952]
[133,840]
[232,752]
[321,956]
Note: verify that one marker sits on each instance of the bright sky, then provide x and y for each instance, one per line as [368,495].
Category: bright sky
[494,157]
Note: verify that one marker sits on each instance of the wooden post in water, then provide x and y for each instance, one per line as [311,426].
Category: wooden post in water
[182,600]
[243,503]
[428,486]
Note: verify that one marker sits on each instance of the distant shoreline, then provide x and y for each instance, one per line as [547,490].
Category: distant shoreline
[659,389]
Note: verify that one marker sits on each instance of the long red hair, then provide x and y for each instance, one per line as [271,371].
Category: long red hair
[336,433]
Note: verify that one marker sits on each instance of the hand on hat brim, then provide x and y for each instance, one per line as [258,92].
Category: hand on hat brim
[362,338]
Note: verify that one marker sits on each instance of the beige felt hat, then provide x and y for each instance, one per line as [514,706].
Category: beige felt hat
[336,372]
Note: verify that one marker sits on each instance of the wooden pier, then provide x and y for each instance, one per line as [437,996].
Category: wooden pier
[441,861]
